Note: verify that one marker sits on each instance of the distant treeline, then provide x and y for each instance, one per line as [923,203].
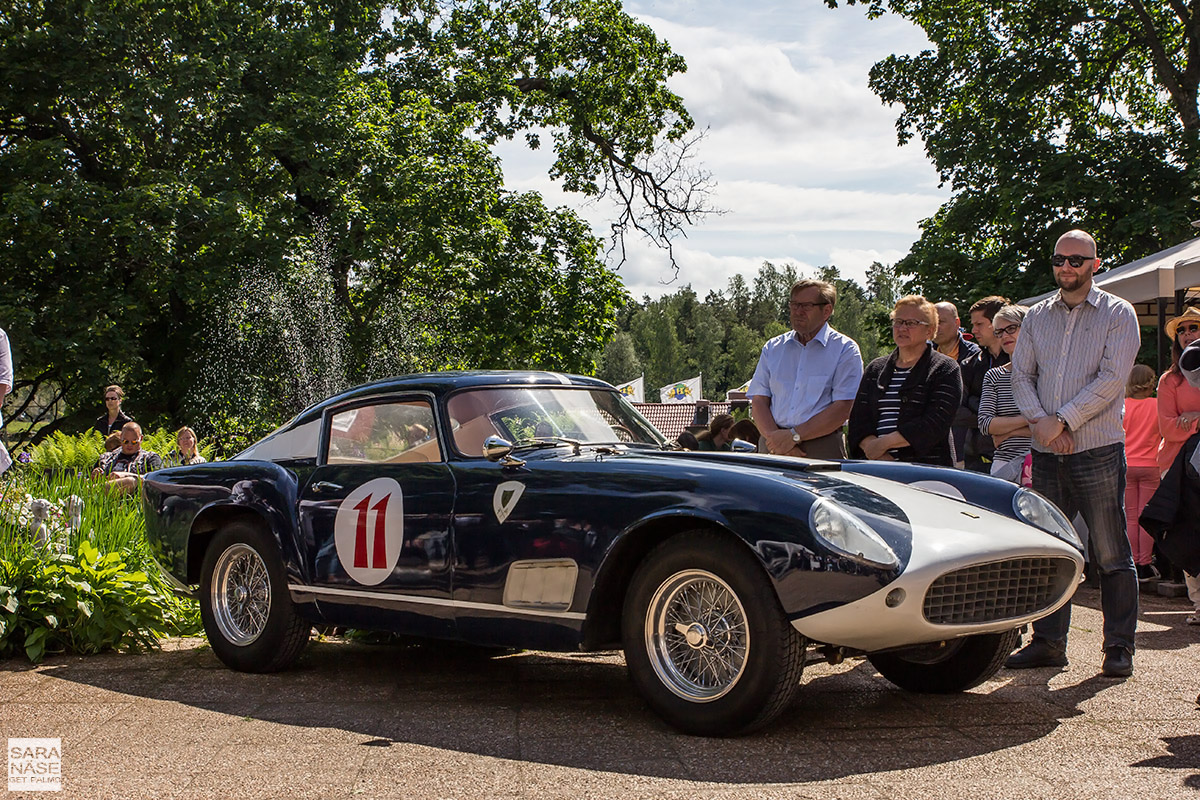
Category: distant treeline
[681,335]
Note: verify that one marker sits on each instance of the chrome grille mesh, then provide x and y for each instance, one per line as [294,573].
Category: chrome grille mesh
[997,591]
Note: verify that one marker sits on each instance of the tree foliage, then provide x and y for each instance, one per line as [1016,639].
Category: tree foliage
[1043,115]
[153,153]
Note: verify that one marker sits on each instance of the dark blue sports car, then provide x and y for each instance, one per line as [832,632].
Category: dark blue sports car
[539,510]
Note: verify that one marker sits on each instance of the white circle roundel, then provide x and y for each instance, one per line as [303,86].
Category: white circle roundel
[369,530]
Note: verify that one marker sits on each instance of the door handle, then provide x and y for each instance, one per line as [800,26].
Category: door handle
[326,486]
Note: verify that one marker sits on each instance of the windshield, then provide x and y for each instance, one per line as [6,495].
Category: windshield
[590,416]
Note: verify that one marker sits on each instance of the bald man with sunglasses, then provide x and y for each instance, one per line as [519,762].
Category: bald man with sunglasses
[1069,372]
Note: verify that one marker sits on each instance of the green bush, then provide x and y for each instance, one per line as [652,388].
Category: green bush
[91,588]
[60,451]
[83,602]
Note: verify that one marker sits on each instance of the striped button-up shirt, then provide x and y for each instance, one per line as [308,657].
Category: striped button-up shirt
[1075,362]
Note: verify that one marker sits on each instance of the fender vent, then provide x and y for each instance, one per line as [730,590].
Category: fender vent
[998,591]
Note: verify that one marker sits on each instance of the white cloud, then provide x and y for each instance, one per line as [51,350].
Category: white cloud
[803,154]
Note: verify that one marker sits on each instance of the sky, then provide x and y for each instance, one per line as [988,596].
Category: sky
[803,155]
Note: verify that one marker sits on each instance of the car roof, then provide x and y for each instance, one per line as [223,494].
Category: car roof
[440,383]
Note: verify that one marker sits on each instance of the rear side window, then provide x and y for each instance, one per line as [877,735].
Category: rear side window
[285,445]
[397,432]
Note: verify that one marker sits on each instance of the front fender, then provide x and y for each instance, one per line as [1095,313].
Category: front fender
[976,488]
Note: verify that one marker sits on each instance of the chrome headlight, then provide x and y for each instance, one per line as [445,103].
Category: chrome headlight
[849,536]
[1041,513]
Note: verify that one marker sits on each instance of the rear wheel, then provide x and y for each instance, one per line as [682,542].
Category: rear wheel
[946,667]
[247,612]
[705,640]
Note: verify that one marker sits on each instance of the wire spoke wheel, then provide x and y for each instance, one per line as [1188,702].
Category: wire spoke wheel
[241,594]
[697,636]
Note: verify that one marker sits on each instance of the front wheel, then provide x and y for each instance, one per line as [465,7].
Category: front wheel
[247,612]
[706,642]
[946,667]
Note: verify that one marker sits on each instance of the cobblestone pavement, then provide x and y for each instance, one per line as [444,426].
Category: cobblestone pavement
[354,720]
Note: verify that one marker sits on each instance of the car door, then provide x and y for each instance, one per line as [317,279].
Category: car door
[525,548]
[376,516]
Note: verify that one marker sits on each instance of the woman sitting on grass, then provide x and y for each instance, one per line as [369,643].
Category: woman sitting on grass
[186,450]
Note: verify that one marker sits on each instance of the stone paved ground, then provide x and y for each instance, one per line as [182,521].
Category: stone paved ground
[354,720]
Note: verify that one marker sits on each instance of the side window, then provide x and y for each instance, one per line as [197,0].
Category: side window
[399,432]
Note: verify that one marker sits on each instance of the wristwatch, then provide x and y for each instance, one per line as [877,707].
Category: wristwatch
[795,436]
[1058,415]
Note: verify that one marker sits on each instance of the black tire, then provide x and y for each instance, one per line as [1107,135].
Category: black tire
[248,614]
[739,661]
[944,668]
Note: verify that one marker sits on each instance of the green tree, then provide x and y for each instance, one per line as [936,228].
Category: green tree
[771,293]
[619,363]
[1044,115]
[153,153]
[742,348]
[656,340]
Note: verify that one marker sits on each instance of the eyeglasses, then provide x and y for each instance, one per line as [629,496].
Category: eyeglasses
[908,323]
[1011,329]
[1193,328]
[804,306]
[1058,259]
[111,397]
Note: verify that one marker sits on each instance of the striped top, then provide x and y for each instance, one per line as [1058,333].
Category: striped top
[1075,361]
[889,403]
[997,401]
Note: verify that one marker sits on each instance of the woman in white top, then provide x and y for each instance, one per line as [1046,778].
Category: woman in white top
[999,416]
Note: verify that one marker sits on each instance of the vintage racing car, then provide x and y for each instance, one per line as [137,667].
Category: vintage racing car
[539,510]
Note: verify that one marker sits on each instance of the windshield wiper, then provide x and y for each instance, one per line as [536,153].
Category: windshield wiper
[547,441]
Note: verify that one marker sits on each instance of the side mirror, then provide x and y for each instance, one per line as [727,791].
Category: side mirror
[742,446]
[496,448]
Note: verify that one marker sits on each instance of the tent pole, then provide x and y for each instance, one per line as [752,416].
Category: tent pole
[1161,338]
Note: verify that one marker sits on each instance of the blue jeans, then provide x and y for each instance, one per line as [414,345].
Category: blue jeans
[1092,483]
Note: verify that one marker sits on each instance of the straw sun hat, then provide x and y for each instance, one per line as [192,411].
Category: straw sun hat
[1190,314]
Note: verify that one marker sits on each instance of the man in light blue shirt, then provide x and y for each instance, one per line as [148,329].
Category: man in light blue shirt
[806,379]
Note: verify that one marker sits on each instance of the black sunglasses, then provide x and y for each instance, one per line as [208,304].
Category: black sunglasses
[1076,261]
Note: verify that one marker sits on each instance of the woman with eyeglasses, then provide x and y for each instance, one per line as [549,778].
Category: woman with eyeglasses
[999,416]
[907,400]
[1178,413]
[114,418]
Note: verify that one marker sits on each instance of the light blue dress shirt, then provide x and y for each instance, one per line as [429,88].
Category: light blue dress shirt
[804,379]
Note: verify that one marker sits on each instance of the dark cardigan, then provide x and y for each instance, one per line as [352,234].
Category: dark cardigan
[929,398]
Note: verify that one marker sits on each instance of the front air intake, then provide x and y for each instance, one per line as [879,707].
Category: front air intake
[998,591]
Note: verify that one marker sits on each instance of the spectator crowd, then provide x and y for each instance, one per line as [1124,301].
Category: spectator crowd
[1047,397]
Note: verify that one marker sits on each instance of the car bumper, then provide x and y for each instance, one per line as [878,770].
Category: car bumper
[971,571]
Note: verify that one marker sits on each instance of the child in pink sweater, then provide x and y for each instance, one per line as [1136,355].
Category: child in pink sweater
[1142,443]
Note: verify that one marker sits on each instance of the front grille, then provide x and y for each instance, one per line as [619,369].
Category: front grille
[997,591]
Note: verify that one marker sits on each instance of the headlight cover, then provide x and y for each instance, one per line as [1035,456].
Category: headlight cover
[849,536]
[1041,513]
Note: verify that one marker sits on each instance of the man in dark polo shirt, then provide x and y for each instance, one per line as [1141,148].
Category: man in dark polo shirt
[978,447]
